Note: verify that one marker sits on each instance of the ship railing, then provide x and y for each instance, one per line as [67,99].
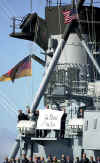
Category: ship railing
[55,134]
[75,87]
[69,131]
[63,2]
[97,99]
[79,87]
[73,130]
[16,23]
[56,3]
[68,78]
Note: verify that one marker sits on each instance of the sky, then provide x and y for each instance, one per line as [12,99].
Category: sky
[17,95]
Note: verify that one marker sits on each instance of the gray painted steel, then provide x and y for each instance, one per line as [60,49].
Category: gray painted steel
[91,56]
[47,75]
[91,130]
[73,51]
[88,51]
[14,150]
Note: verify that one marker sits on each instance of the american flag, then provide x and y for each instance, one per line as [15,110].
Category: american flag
[70,15]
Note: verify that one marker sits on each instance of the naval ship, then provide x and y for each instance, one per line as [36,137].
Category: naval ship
[70,85]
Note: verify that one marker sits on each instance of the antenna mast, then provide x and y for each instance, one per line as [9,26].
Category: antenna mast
[31,6]
[91,3]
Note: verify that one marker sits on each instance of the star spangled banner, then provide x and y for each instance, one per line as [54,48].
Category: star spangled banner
[70,15]
[22,69]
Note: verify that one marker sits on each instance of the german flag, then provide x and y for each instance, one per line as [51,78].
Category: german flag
[22,69]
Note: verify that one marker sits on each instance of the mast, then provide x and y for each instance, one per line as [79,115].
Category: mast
[31,6]
[91,3]
[54,61]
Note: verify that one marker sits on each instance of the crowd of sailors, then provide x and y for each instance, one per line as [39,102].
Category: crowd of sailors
[64,159]
[50,159]
[34,116]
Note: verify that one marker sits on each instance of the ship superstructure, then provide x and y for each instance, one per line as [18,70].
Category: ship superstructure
[70,84]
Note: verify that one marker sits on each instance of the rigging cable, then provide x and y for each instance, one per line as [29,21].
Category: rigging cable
[30,53]
[5,12]
[9,102]
[88,24]
[31,50]
[8,106]
[78,15]
[11,11]
[95,45]
[93,38]
[59,16]
[7,109]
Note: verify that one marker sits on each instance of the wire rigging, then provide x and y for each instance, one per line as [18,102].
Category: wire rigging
[7,108]
[30,49]
[9,8]
[7,11]
[59,15]
[9,102]
[78,15]
[87,20]
[93,36]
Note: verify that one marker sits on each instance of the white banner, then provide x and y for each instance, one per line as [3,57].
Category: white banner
[49,119]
